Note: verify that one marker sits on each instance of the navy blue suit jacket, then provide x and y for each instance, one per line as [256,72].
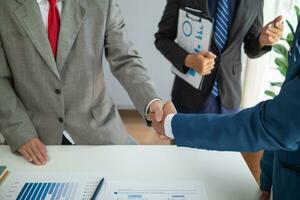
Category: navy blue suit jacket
[272,125]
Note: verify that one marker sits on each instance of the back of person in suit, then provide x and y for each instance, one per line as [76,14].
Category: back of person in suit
[272,125]
[52,88]
[236,23]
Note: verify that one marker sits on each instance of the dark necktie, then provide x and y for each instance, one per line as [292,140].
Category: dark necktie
[221,31]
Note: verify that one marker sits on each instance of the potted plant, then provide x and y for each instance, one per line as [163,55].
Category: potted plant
[282,60]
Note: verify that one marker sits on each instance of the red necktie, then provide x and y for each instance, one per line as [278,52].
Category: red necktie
[53,26]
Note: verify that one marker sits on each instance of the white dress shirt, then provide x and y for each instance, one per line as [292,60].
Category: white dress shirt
[168,126]
[44,7]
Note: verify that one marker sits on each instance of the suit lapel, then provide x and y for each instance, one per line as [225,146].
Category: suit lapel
[238,21]
[71,20]
[30,17]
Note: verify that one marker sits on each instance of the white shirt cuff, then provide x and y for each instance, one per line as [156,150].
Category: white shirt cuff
[149,104]
[168,126]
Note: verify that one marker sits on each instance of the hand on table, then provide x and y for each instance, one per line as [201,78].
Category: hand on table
[203,62]
[265,196]
[272,32]
[34,151]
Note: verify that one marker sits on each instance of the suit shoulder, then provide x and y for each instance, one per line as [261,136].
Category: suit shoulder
[7,8]
[99,3]
[8,5]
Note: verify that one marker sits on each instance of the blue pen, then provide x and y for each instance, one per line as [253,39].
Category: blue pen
[97,189]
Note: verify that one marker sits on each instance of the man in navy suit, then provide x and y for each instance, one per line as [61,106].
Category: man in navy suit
[272,125]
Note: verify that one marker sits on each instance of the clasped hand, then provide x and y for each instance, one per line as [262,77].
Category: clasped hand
[157,117]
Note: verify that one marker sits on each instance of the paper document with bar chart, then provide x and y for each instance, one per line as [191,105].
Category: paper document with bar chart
[194,35]
[81,186]
[50,186]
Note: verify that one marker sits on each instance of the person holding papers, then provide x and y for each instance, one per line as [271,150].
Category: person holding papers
[52,89]
[272,125]
[235,23]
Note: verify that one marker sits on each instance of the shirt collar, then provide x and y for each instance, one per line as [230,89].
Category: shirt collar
[44,1]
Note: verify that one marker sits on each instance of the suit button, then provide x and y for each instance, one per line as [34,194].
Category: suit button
[57,91]
[61,120]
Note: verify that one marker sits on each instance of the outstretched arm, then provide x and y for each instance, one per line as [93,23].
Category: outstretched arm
[271,125]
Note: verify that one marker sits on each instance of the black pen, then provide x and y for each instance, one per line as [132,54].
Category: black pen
[99,186]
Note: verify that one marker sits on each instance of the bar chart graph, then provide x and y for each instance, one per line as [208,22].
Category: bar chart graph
[52,186]
[47,191]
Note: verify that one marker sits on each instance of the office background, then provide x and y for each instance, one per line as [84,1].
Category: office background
[142,17]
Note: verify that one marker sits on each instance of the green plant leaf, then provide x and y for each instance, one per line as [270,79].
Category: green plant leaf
[276,84]
[280,49]
[290,26]
[298,13]
[282,64]
[270,93]
[290,39]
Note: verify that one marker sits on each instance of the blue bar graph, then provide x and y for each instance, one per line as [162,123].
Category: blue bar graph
[41,191]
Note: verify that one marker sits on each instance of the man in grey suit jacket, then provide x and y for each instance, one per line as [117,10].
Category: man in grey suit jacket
[49,94]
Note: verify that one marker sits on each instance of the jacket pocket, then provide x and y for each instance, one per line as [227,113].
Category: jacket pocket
[102,112]
[236,70]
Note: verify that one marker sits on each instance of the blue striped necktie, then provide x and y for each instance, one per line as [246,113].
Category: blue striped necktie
[221,31]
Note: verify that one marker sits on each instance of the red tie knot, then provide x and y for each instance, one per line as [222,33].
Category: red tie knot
[52,2]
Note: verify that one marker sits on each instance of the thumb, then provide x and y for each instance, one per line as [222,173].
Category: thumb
[209,54]
[278,19]
[158,113]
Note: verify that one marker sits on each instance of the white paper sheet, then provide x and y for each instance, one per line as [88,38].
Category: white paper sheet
[155,191]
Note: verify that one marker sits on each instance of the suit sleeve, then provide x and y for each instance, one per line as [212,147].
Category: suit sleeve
[251,41]
[271,125]
[15,124]
[166,35]
[266,165]
[125,62]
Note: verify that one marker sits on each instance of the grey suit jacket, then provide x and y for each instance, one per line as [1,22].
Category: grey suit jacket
[41,96]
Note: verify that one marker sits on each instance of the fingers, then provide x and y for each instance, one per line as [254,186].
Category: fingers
[271,40]
[25,155]
[165,138]
[158,127]
[280,26]
[278,19]
[274,32]
[207,68]
[34,151]
[155,112]
[275,36]
[32,155]
[43,150]
[38,155]
[209,55]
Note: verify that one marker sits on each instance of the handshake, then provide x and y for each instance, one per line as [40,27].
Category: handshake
[157,115]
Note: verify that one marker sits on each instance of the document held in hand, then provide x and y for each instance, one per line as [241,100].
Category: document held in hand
[194,35]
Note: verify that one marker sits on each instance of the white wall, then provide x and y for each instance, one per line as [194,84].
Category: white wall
[142,18]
